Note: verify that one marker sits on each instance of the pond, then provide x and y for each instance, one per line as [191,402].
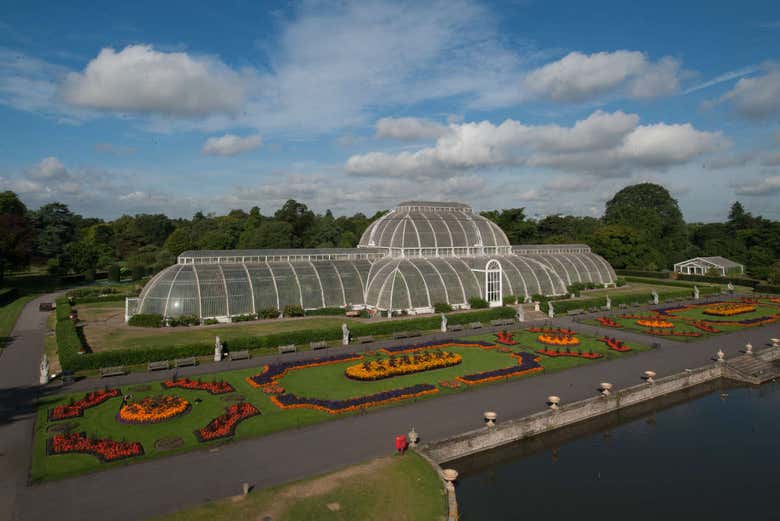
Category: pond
[711,453]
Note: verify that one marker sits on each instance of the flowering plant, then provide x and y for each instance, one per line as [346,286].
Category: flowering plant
[655,323]
[75,409]
[605,321]
[526,364]
[615,344]
[272,388]
[558,339]
[552,330]
[153,409]
[225,425]
[212,387]
[273,372]
[506,338]
[450,384]
[292,401]
[104,449]
[728,309]
[704,326]
[590,355]
[406,364]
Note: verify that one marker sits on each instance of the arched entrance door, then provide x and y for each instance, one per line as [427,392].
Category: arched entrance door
[493,283]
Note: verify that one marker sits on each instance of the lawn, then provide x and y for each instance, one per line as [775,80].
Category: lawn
[324,382]
[387,489]
[9,314]
[683,318]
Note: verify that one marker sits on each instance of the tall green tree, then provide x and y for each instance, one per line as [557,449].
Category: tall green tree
[16,233]
[55,227]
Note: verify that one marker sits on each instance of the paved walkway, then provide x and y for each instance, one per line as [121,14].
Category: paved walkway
[169,484]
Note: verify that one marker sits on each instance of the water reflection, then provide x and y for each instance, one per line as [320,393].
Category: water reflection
[709,453]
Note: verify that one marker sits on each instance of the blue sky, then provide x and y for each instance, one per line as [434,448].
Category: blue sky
[553,106]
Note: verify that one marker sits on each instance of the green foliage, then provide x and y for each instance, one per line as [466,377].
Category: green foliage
[114,273]
[737,281]
[620,281]
[649,274]
[243,318]
[325,312]
[137,271]
[16,233]
[269,312]
[767,288]
[210,321]
[146,320]
[293,310]
[183,320]
[510,300]
[577,287]
[7,295]
[478,303]
[442,307]
[773,274]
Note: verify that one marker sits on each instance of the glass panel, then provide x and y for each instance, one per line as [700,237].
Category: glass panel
[212,290]
[310,285]
[263,286]
[240,299]
[350,277]
[184,294]
[331,284]
[286,283]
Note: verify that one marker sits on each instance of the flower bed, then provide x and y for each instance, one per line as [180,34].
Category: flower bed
[608,322]
[225,425]
[590,355]
[450,384]
[615,344]
[558,339]
[292,401]
[552,330]
[75,409]
[729,309]
[435,345]
[103,449]
[666,332]
[526,364]
[153,409]
[505,338]
[655,323]
[406,364]
[272,388]
[272,372]
[704,326]
[211,387]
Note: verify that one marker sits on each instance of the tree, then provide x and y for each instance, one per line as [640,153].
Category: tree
[654,213]
[623,246]
[82,256]
[298,216]
[269,234]
[55,226]
[773,275]
[513,222]
[16,233]
[178,241]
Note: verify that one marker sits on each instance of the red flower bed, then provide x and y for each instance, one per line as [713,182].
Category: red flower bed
[552,330]
[225,425]
[604,321]
[72,410]
[615,344]
[698,324]
[212,387]
[273,388]
[506,338]
[105,450]
[577,354]
[665,332]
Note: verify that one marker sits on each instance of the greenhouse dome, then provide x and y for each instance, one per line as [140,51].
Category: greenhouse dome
[412,258]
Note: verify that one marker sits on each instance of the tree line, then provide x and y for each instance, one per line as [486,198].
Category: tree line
[642,228]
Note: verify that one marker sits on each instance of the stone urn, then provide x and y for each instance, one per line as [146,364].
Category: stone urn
[748,348]
[775,342]
[649,376]
[449,475]
[554,402]
[605,388]
[413,438]
[490,418]
[720,356]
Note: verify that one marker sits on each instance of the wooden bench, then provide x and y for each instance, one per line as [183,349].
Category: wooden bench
[475,325]
[365,339]
[68,377]
[184,362]
[117,370]
[45,306]
[497,322]
[239,355]
[576,311]
[455,327]
[322,344]
[162,365]
[289,348]
[622,306]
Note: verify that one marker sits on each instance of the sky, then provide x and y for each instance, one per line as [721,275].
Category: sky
[179,107]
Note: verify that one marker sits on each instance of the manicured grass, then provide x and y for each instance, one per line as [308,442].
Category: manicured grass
[765,308]
[9,314]
[325,381]
[388,489]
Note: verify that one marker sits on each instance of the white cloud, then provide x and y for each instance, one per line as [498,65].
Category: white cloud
[767,186]
[49,169]
[755,98]
[139,79]
[580,77]
[603,144]
[409,129]
[230,144]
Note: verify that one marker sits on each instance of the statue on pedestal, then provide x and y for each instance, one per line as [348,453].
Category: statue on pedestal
[609,303]
[443,323]
[696,292]
[218,347]
[536,306]
[550,310]
[44,379]
[655,297]
[520,314]
[344,334]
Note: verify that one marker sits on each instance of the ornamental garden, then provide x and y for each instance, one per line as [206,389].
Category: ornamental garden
[686,322]
[113,426]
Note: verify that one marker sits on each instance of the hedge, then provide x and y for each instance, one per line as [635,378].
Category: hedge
[146,320]
[563,306]
[740,281]
[8,295]
[766,288]
[324,311]
[105,298]
[650,274]
[666,282]
[69,344]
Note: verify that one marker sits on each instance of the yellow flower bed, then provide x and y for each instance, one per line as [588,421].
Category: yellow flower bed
[730,309]
[400,365]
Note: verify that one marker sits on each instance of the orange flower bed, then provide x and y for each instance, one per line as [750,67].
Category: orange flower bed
[729,309]
[407,364]
[553,330]
[558,339]
[655,323]
[605,321]
[153,409]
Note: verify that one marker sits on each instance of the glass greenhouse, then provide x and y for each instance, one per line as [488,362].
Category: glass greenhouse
[417,255]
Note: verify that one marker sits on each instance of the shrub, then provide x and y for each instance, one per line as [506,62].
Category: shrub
[767,288]
[325,311]
[269,312]
[114,273]
[183,320]
[7,295]
[510,300]
[293,310]
[478,303]
[243,318]
[137,271]
[620,281]
[146,320]
[210,321]
[442,307]
[641,273]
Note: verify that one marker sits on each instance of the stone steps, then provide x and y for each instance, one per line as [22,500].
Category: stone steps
[753,368]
